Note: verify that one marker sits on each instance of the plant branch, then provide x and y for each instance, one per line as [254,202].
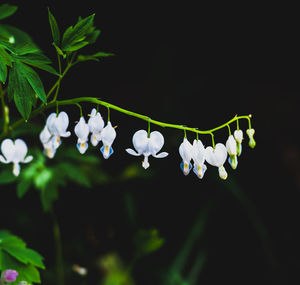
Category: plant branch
[127,112]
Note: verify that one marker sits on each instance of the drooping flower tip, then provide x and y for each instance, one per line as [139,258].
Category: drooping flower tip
[250,133]
[9,275]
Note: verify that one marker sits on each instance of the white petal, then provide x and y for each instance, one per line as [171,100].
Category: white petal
[28,159]
[62,122]
[217,156]
[222,172]
[95,123]
[198,152]
[132,152]
[108,134]
[231,145]
[2,159]
[8,150]
[45,135]
[161,155]
[20,150]
[82,147]
[185,151]
[156,142]
[50,123]
[145,162]
[140,141]
[238,135]
[82,129]
[16,169]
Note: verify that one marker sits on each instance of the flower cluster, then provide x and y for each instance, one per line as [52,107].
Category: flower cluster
[145,144]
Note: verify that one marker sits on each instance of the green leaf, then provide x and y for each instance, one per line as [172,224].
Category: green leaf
[7,177]
[38,60]
[4,62]
[7,10]
[94,56]
[20,90]
[34,81]
[74,35]
[21,42]
[23,187]
[54,28]
[27,272]
[76,46]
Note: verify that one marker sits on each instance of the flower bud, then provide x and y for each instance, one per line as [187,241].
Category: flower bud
[9,275]
[250,133]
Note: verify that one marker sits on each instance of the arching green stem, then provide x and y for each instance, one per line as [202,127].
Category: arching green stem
[127,112]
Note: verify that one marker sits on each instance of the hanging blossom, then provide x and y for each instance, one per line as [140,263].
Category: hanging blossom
[9,275]
[231,146]
[96,125]
[147,145]
[250,133]
[185,151]
[198,154]
[217,157]
[14,152]
[108,135]
[56,127]
[82,132]
[239,136]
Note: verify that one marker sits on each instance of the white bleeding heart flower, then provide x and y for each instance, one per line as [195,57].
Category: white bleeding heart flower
[57,126]
[147,146]
[231,146]
[217,157]
[14,152]
[45,138]
[198,154]
[96,125]
[239,136]
[82,132]
[185,151]
[108,135]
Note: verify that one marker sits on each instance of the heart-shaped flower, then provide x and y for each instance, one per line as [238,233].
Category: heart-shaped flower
[14,152]
[185,151]
[147,145]
[57,126]
[108,135]
[96,125]
[82,131]
[198,154]
[231,146]
[217,157]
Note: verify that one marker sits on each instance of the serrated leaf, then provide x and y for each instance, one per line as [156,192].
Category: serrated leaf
[76,46]
[54,28]
[38,60]
[94,56]
[34,81]
[27,272]
[76,34]
[7,10]
[23,43]
[20,90]
[25,255]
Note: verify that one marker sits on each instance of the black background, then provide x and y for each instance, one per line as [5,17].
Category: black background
[197,66]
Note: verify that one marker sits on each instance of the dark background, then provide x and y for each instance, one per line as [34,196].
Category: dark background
[197,66]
